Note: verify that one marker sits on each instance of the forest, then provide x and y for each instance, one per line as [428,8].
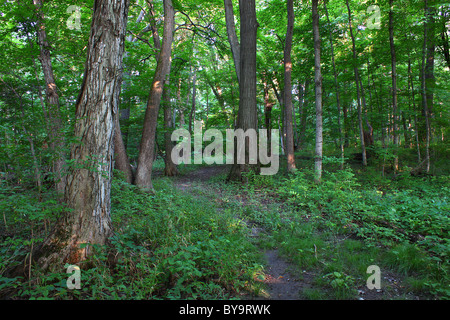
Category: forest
[116,116]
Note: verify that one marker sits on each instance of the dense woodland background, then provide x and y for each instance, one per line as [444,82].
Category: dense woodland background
[359,91]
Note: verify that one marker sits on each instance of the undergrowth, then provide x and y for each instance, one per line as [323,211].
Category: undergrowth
[198,245]
[166,246]
[403,224]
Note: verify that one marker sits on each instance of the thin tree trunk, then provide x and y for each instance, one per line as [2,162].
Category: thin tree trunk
[232,37]
[430,61]
[301,90]
[416,126]
[355,69]
[268,116]
[303,114]
[52,99]
[194,100]
[121,161]
[425,96]
[147,145]
[318,84]
[336,83]
[394,83]
[445,39]
[37,171]
[170,168]
[288,88]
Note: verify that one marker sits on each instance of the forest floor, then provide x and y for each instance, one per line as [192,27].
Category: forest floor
[283,279]
[282,285]
[273,238]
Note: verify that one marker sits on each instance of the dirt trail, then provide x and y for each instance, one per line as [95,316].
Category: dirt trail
[281,284]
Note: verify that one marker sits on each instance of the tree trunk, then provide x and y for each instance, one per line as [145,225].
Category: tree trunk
[232,37]
[445,39]
[147,145]
[336,83]
[425,96]
[431,51]
[394,83]
[303,113]
[247,113]
[193,104]
[121,161]
[318,84]
[170,168]
[52,98]
[416,125]
[89,182]
[288,88]
[268,105]
[356,72]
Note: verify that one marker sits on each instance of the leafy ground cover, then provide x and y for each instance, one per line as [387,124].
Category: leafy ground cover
[201,238]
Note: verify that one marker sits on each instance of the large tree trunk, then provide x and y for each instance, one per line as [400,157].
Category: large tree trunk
[232,37]
[89,182]
[356,72]
[147,146]
[318,83]
[52,98]
[288,88]
[247,114]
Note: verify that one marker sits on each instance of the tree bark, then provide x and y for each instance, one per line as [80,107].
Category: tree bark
[336,83]
[268,105]
[247,113]
[147,145]
[89,182]
[56,137]
[431,51]
[193,102]
[424,88]
[303,113]
[232,37]
[318,83]
[356,72]
[121,160]
[413,99]
[288,88]
[394,83]
[170,168]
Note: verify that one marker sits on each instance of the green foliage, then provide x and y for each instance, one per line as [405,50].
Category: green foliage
[166,245]
[409,218]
